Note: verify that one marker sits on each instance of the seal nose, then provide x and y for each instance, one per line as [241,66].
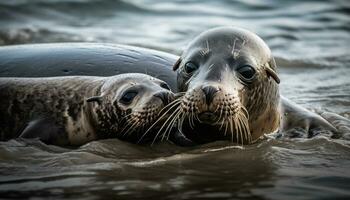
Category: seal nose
[164,96]
[209,92]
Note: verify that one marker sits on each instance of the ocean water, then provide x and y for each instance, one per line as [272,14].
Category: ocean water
[311,42]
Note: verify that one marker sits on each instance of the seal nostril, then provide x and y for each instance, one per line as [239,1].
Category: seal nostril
[209,92]
[164,96]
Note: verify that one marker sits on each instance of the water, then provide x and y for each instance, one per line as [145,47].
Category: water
[310,40]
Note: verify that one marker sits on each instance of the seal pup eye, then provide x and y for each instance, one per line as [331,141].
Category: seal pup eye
[190,67]
[247,72]
[165,86]
[127,97]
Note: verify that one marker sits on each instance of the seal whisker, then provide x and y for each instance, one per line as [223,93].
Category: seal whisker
[236,127]
[172,117]
[245,124]
[170,105]
[179,115]
[161,128]
[239,133]
[171,124]
[190,120]
[246,113]
[231,128]
[239,117]
[159,119]
[245,120]
[226,126]
[222,123]
[126,116]
[196,117]
[221,112]
[127,125]
[179,95]
[131,128]
[181,121]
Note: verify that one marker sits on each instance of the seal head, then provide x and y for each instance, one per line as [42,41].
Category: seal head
[230,86]
[128,104]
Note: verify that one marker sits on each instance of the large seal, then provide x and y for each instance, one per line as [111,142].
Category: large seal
[77,109]
[85,59]
[230,84]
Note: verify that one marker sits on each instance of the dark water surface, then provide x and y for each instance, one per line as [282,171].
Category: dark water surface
[311,41]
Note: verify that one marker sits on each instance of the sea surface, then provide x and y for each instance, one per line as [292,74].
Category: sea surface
[311,42]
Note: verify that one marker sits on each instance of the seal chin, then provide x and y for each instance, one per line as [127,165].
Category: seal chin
[208,117]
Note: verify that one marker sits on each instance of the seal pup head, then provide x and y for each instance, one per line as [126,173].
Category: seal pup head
[128,104]
[230,86]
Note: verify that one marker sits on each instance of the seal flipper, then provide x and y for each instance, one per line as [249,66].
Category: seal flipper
[180,139]
[304,121]
[47,131]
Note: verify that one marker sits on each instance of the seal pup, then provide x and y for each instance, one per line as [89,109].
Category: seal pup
[230,90]
[70,111]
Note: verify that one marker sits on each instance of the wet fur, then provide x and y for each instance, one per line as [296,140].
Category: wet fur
[56,110]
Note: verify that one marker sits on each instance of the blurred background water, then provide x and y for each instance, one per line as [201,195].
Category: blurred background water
[309,38]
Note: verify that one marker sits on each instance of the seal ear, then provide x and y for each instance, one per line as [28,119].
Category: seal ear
[177,64]
[97,99]
[271,72]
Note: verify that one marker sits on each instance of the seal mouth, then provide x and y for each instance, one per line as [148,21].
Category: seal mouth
[207,117]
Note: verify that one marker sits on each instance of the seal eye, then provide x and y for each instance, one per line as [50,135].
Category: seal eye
[190,67]
[128,96]
[165,86]
[247,72]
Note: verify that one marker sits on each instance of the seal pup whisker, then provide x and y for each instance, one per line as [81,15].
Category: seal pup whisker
[168,109]
[126,117]
[171,125]
[172,117]
[131,126]
[156,136]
